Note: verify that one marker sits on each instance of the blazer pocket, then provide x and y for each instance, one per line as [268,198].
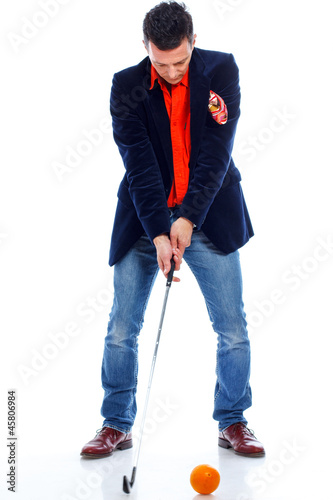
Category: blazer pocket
[232,176]
[217,108]
[124,195]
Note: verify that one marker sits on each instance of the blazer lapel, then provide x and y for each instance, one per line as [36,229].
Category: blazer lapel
[199,96]
[156,104]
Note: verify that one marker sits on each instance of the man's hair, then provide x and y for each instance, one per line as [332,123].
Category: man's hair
[167,25]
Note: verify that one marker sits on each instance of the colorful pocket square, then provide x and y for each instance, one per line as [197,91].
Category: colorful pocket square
[217,108]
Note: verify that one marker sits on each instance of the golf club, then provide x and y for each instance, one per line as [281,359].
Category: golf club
[128,484]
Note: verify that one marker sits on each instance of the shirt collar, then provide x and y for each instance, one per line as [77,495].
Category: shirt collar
[155,76]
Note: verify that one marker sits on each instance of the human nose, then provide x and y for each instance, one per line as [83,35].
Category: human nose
[172,72]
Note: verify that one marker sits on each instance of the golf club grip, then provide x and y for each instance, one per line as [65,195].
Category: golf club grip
[170,275]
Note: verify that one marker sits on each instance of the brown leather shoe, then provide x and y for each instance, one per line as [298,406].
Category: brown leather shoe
[105,442]
[241,440]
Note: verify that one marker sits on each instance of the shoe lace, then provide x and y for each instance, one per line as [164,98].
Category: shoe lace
[244,429]
[102,430]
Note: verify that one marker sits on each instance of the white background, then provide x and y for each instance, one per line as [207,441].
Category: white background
[55,231]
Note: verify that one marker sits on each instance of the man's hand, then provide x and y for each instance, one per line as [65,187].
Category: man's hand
[164,255]
[180,238]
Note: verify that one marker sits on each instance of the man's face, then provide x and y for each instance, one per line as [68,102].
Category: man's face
[171,64]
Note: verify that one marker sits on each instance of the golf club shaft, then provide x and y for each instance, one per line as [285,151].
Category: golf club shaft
[168,285]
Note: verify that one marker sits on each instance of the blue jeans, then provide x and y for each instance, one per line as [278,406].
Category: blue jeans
[220,280]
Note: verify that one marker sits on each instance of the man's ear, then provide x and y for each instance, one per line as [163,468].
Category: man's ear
[144,45]
[194,39]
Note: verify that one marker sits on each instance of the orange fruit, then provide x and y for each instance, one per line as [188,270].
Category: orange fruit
[204,479]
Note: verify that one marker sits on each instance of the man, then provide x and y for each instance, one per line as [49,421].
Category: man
[174,121]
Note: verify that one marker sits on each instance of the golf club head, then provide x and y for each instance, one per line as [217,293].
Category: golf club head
[126,485]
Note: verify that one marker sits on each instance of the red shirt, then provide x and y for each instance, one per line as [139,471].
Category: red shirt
[177,102]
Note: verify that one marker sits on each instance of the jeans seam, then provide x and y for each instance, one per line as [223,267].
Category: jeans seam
[217,363]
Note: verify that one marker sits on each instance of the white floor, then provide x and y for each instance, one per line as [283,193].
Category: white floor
[290,471]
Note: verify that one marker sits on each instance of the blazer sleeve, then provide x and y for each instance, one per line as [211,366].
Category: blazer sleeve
[216,147]
[143,182]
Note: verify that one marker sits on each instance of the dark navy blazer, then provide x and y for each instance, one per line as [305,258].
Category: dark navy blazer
[214,201]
